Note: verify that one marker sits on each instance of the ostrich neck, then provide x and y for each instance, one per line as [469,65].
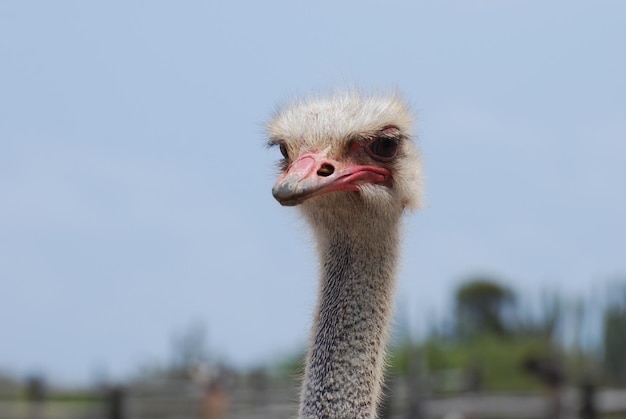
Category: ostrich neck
[345,362]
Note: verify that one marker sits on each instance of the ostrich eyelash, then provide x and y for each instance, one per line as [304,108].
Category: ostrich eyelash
[284,162]
[273,142]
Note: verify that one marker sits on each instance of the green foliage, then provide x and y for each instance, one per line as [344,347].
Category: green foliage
[498,361]
[76,397]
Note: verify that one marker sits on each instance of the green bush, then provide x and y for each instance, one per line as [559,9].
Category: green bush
[497,361]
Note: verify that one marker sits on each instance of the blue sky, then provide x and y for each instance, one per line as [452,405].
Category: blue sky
[135,186]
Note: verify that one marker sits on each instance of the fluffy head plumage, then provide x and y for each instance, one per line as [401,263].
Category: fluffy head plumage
[331,125]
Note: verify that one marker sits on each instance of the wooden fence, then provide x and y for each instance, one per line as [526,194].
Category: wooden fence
[183,400]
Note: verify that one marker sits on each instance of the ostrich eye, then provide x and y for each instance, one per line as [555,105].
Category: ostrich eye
[283,150]
[383,148]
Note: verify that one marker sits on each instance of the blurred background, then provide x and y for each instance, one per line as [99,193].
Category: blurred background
[146,271]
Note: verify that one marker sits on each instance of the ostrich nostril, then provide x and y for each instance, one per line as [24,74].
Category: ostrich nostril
[326,170]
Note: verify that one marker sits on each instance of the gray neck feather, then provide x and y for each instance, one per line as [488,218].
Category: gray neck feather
[345,362]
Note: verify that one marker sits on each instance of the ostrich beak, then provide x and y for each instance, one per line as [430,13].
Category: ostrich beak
[314,174]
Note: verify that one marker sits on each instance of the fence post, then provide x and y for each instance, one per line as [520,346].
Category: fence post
[36,396]
[116,402]
[416,385]
[588,409]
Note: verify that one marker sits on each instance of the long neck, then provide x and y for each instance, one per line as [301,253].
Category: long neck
[345,362]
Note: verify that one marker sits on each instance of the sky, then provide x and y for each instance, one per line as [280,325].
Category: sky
[135,186]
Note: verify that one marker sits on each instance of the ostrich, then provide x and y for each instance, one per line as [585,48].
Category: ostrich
[349,164]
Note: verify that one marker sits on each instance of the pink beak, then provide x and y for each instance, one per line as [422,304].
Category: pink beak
[314,174]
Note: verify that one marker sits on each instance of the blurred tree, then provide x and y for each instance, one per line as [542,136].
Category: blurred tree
[189,349]
[481,307]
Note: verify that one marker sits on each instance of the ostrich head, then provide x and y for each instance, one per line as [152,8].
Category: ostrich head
[348,160]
